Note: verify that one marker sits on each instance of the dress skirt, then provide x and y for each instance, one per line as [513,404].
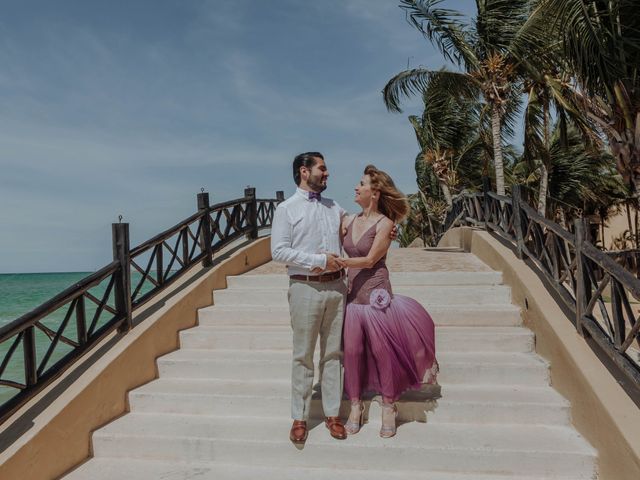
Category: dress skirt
[388,350]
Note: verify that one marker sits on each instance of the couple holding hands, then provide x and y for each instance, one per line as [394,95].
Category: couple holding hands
[385,342]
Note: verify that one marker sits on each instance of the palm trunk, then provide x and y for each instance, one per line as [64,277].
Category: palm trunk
[562,218]
[544,170]
[636,225]
[542,194]
[446,192]
[629,224]
[626,151]
[498,162]
[433,233]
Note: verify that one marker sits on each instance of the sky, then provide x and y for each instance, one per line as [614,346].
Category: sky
[131,107]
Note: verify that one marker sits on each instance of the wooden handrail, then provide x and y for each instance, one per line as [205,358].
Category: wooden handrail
[572,267]
[173,252]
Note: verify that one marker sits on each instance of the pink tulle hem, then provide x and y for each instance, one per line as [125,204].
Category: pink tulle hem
[390,350]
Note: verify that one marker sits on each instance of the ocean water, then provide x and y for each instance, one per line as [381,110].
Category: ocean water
[22,292]
[19,294]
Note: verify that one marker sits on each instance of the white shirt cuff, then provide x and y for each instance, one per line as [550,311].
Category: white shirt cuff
[320,260]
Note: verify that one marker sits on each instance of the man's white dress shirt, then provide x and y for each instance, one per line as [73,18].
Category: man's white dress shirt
[303,230]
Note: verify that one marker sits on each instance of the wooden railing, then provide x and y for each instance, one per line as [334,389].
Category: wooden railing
[601,297]
[40,345]
[628,259]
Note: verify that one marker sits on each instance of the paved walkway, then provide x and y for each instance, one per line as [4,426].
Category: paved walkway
[412,260]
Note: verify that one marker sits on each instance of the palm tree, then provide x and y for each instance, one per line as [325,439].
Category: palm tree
[582,178]
[601,48]
[482,50]
[447,133]
[546,92]
[425,217]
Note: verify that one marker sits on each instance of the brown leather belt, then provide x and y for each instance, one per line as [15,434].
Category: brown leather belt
[327,277]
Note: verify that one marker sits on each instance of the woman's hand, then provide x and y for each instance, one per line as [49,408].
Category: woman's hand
[394,233]
[334,263]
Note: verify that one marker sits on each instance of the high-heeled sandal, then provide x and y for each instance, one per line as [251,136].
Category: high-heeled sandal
[354,427]
[387,431]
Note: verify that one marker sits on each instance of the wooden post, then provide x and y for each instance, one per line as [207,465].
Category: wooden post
[280,196]
[616,310]
[81,322]
[185,246]
[159,265]
[30,361]
[122,286]
[516,193]
[205,230]
[583,287]
[486,212]
[252,212]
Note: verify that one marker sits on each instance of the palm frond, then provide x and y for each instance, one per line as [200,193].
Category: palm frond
[601,40]
[534,145]
[426,179]
[470,164]
[443,29]
[534,48]
[414,82]
[582,177]
[566,104]
[416,123]
[448,119]
[497,23]
[511,109]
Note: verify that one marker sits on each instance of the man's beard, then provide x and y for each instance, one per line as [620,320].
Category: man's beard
[315,183]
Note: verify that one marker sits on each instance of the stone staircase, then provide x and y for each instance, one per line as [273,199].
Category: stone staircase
[220,407]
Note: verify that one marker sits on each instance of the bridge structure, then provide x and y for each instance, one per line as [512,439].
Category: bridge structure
[190,375]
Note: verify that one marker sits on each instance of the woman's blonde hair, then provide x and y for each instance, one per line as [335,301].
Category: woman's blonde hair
[392,202]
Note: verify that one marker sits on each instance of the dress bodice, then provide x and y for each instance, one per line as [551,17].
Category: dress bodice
[363,280]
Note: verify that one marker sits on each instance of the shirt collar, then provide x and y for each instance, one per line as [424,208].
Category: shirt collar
[303,193]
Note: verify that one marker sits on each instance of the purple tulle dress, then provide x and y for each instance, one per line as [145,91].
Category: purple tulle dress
[389,340]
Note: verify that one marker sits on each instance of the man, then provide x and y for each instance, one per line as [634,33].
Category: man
[306,236]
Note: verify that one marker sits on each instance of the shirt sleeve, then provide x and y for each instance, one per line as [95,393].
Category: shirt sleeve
[343,212]
[281,244]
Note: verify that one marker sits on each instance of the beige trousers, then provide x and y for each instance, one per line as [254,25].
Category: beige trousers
[317,309]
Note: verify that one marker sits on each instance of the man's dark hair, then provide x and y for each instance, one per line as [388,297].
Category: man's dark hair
[307,160]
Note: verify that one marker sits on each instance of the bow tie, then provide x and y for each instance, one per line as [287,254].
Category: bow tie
[315,195]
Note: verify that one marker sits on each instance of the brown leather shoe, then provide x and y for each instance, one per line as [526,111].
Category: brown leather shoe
[299,432]
[336,428]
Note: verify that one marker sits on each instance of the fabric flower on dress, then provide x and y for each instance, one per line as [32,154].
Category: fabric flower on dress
[379,298]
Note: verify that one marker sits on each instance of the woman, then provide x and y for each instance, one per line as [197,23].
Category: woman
[389,341]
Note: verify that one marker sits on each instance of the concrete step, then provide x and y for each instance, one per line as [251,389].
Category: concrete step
[512,404]
[431,295]
[397,279]
[134,469]
[491,339]
[470,367]
[454,315]
[509,449]
[221,407]
[433,403]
